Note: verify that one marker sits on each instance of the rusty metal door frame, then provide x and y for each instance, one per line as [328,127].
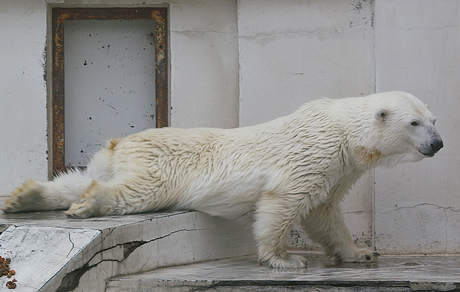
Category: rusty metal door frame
[59,16]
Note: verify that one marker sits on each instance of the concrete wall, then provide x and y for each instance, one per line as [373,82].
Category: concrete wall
[292,52]
[23,141]
[248,61]
[418,50]
[204,63]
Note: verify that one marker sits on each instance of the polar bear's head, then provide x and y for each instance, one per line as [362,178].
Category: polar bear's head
[404,128]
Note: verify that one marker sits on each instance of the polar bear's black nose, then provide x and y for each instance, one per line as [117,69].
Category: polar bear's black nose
[436,145]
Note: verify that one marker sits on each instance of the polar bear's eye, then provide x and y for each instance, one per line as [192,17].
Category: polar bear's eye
[414,123]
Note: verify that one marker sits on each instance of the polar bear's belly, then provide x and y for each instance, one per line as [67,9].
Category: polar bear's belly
[231,196]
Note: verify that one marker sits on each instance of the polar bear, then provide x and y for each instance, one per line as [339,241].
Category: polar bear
[293,169]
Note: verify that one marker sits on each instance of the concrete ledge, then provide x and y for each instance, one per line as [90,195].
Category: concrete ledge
[52,253]
[391,273]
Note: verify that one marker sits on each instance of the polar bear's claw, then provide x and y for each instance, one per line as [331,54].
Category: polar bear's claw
[362,255]
[374,255]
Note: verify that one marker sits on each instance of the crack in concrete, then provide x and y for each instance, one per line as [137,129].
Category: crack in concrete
[420,205]
[303,31]
[445,231]
[204,32]
[73,245]
[355,212]
[429,28]
[71,280]
[110,231]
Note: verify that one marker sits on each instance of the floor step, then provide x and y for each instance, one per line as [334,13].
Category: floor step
[50,252]
[391,273]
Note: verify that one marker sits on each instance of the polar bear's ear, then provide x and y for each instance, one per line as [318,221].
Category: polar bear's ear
[381,115]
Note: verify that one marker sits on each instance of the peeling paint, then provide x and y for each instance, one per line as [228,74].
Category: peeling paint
[44,64]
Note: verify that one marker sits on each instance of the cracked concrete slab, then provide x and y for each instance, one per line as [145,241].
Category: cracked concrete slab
[50,252]
[39,253]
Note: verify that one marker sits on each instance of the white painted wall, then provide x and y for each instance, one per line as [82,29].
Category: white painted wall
[241,62]
[204,63]
[23,141]
[418,50]
[292,52]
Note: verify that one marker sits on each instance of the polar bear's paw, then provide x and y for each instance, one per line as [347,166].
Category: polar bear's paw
[290,261]
[359,255]
[83,209]
[27,197]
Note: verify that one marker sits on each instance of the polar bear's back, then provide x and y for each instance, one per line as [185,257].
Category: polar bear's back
[225,171]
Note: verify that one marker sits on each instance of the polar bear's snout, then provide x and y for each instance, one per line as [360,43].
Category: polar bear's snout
[433,145]
[436,145]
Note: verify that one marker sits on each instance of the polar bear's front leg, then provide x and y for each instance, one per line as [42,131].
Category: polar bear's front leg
[273,222]
[325,225]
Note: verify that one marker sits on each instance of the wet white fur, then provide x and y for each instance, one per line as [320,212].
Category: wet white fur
[293,169]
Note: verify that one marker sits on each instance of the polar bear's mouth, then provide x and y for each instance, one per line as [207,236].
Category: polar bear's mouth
[431,154]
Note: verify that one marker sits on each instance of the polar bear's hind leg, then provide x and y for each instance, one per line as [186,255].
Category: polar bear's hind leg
[120,197]
[28,197]
[58,194]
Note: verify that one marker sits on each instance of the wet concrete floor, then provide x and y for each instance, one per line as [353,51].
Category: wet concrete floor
[391,273]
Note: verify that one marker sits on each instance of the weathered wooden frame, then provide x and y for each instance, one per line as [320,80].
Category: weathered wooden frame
[59,16]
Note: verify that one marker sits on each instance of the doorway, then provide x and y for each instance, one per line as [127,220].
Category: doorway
[109,78]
